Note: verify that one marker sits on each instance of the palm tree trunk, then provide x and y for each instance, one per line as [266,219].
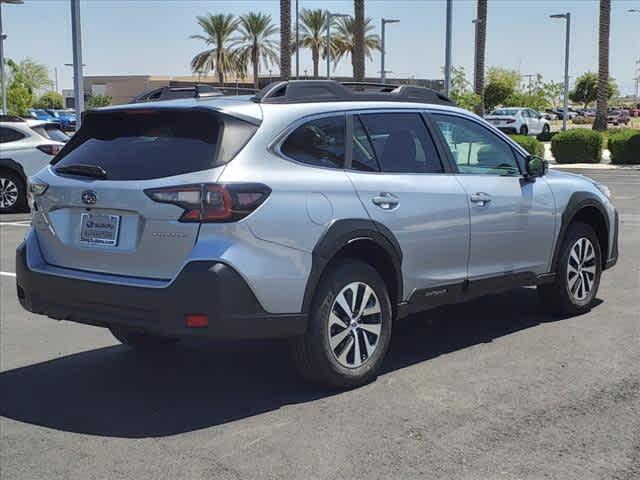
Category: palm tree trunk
[481,41]
[255,60]
[600,122]
[285,39]
[219,68]
[358,70]
[315,56]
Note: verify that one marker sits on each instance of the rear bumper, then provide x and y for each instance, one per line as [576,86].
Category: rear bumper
[204,288]
[507,129]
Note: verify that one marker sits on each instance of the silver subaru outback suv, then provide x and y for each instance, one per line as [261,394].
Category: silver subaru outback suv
[319,211]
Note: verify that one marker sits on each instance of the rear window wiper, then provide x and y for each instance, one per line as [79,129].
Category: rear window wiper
[83,170]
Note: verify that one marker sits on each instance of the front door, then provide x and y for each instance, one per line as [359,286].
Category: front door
[400,180]
[512,219]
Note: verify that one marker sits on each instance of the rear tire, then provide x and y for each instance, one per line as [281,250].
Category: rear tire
[578,270]
[341,348]
[524,130]
[546,129]
[141,341]
[13,192]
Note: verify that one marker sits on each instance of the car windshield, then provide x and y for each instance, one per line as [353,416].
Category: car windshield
[505,112]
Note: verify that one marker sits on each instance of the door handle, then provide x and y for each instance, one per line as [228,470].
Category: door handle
[386,201]
[481,199]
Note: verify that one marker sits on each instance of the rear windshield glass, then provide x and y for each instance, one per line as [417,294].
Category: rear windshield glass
[146,144]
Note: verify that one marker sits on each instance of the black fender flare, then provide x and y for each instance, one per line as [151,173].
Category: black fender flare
[11,164]
[577,202]
[340,234]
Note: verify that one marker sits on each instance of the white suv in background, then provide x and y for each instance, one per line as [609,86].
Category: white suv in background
[523,121]
[23,152]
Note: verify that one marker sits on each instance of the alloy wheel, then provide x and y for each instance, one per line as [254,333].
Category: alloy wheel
[355,325]
[581,269]
[8,193]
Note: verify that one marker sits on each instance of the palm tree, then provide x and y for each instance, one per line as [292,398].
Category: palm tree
[254,45]
[313,24]
[602,90]
[345,42]
[285,39]
[218,30]
[359,41]
[481,41]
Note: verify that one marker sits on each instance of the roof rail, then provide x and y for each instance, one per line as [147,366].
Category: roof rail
[11,118]
[309,91]
[171,93]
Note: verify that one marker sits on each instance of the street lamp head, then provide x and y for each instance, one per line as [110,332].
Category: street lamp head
[390,20]
[559,15]
[633,10]
[13,2]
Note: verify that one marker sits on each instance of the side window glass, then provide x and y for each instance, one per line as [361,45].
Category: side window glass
[475,149]
[402,143]
[9,135]
[364,156]
[319,142]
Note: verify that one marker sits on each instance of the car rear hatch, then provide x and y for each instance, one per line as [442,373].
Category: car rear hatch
[96,213]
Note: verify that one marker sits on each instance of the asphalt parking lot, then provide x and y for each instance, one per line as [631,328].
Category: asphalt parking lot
[493,389]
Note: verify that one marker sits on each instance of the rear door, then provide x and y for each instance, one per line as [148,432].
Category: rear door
[107,223]
[402,183]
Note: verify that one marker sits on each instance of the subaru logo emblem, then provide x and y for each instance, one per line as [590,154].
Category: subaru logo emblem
[89,197]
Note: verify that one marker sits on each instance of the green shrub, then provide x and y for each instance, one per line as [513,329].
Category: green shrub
[577,146]
[583,121]
[625,146]
[546,136]
[530,144]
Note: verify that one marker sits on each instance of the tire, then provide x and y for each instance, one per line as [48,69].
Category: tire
[546,129]
[524,130]
[141,341]
[564,296]
[13,192]
[327,353]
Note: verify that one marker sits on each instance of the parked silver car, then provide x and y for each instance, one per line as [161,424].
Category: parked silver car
[311,211]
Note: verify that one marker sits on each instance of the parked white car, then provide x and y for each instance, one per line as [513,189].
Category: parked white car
[23,152]
[523,121]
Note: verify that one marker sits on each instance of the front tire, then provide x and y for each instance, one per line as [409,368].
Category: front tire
[578,270]
[524,130]
[141,341]
[349,328]
[13,192]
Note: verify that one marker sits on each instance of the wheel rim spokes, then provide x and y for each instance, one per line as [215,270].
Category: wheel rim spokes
[8,193]
[355,325]
[581,269]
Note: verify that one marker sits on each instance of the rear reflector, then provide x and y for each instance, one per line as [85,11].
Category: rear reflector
[197,321]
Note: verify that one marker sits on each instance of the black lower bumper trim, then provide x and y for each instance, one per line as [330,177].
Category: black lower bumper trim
[205,288]
[613,258]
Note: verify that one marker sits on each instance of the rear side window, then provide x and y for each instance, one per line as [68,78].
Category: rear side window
[319,142]
[400,142]
[10,135]
[146,144]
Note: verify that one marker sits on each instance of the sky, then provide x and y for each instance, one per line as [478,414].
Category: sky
[152,36]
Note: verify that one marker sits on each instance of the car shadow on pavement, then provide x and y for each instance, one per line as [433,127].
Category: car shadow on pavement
[116,391]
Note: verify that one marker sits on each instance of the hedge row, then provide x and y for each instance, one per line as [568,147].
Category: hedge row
[530,144]
[624,146]
[579,145]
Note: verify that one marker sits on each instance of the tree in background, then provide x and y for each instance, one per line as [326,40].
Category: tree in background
[481,41]
[19,90]
[217,34]
[586,89]
[600,122]
[554,92]
[344,42]
[49,99]
[34,75]
[359,42]
[97,101]
[461,91]
[312,26]
[255,44]
[285,39]
[500,84]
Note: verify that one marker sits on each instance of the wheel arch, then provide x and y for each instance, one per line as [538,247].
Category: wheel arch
[10,164]
[365,240]
[585,207]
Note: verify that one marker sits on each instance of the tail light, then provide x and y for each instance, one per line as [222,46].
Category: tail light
[212,202]
[49,149]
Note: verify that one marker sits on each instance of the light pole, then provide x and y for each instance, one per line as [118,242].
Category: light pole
[565,113]
[383,72]
[330,17]
[447,52]
[297,39]
[78,78]
[2,38]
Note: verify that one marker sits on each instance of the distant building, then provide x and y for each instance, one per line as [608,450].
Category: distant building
[123,88]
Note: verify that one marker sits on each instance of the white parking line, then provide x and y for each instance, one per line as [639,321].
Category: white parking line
[24,223]
[7,274]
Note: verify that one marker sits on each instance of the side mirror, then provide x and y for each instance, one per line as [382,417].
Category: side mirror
[536,166]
